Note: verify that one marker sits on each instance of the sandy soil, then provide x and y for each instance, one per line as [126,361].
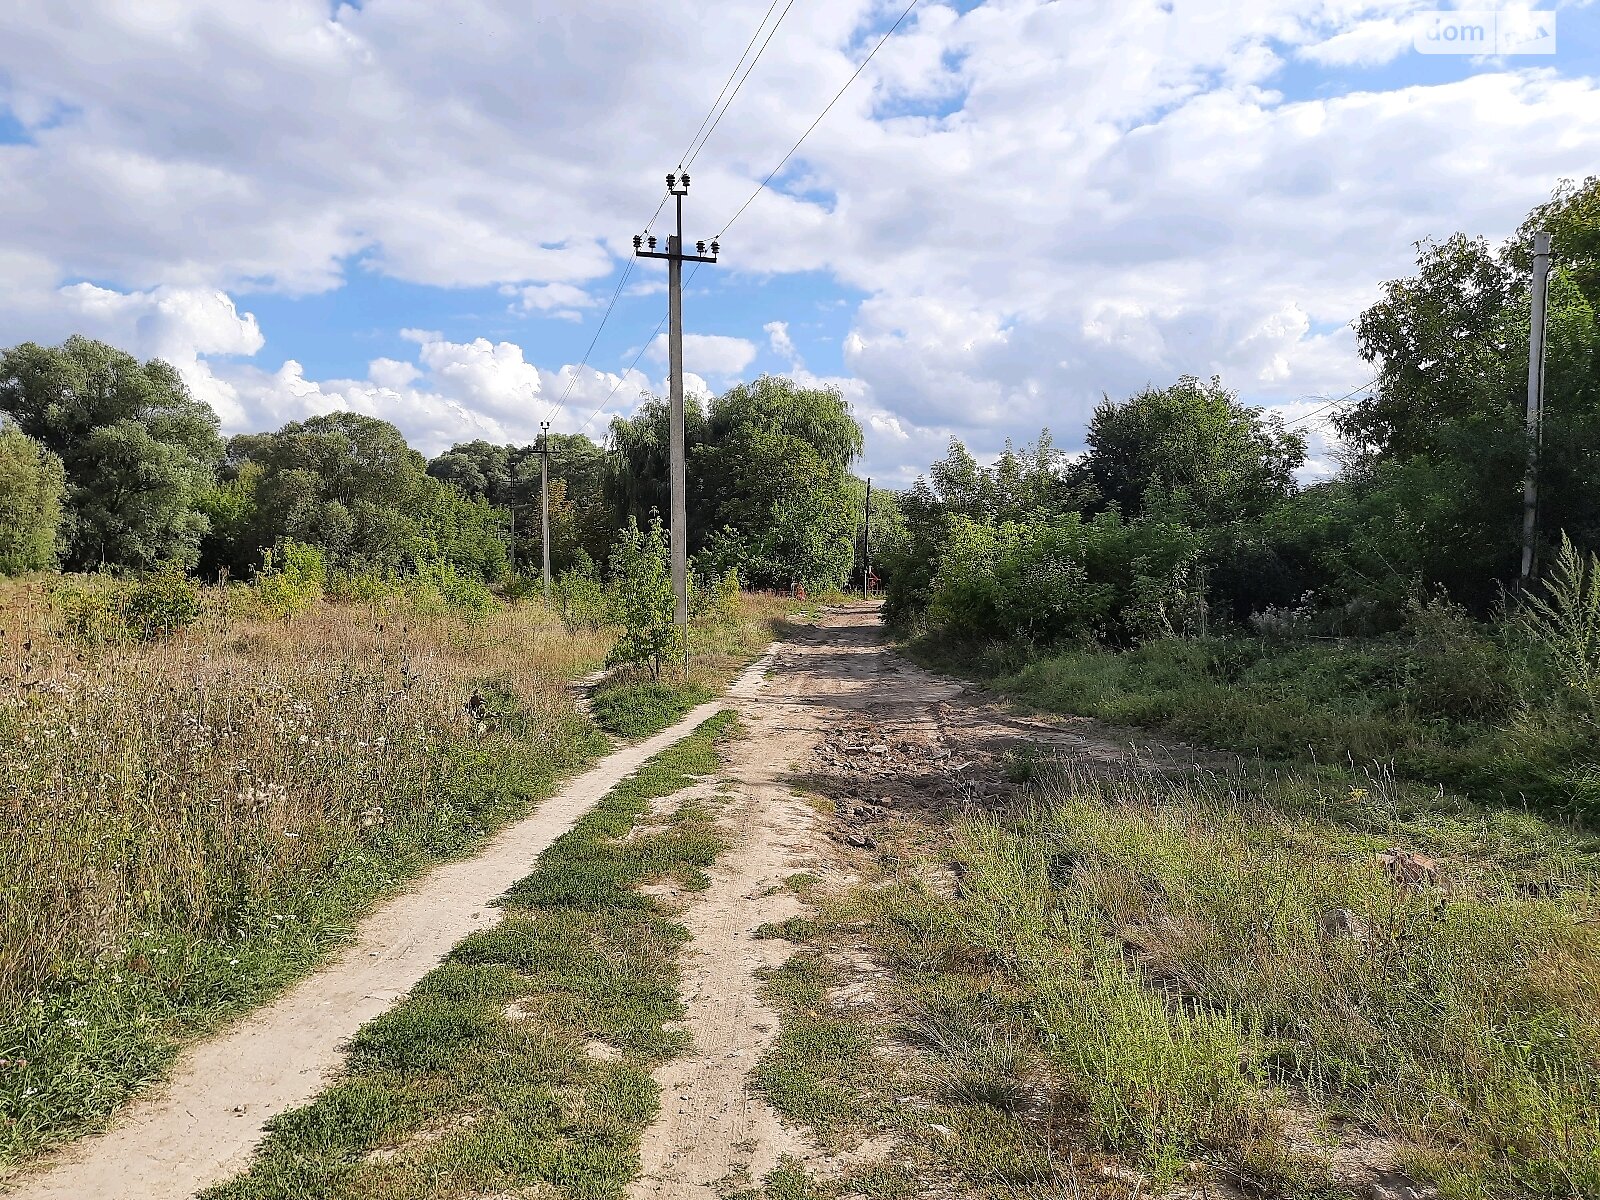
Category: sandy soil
[202,1126]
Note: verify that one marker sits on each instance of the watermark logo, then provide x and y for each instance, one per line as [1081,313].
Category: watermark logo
[1484,31]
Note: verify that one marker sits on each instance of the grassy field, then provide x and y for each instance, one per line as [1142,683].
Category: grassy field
[1164,979]
[525,1059]
[189,823]
[1445,703]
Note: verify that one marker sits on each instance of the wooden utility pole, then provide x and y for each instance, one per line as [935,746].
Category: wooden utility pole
[1530,483]
[678,187]
[866,547]
[544,499]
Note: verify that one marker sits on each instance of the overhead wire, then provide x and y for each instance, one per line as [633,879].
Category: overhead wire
[648,342]
[1300,420]
[690,154]
[740,85]
[828,108]
[682,159]
[606,316]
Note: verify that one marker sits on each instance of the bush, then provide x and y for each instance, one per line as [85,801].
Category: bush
[1062,579]
[360,587]
[290,580]
[440,588]
[642,599]
[161,605]
[89,609]
[581,599]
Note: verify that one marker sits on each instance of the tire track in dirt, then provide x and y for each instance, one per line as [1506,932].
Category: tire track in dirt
[204,1123]
[829,684]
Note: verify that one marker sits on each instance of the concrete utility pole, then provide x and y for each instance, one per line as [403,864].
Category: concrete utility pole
[678,187]
[1530,484]
[866,547]
[544,499]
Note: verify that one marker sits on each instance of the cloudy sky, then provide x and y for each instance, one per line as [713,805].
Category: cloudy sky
[422,210]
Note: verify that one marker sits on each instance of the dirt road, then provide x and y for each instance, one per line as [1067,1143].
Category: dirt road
[834,713]
[844,718]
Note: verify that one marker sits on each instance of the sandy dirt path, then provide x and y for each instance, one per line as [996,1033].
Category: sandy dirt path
[202,1126]
[713,1130]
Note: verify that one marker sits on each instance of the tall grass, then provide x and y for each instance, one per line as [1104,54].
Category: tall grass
[188,822]
[1203,960]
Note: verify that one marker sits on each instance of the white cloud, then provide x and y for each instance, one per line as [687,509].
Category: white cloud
[712,354]
[1037,202]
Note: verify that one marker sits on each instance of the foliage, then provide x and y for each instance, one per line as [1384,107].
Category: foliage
[1565,621]
[349,485]
[581,597]
[137,449]
[770,493]
[1193,452]
[32,481]
[508,476]
[1063,579]
[160,605]
[642,600]
[292,578]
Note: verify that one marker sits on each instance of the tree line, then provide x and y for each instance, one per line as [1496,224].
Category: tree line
[1183,514]
[110,464]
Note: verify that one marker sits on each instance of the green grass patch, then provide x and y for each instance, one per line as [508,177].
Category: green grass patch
[1457,709]
[1161,966]
[81,1044]
[480,1081]
[633,708]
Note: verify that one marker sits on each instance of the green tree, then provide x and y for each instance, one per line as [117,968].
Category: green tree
[1441,441]
[137,449]
[350,486]
[641,581]
[31,485]
[1193,452]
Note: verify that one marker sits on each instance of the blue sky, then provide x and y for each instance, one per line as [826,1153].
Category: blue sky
[421,212]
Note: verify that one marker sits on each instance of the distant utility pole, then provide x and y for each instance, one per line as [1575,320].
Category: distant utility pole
[544,499]
[866,547]
[678,187]
[1530,483]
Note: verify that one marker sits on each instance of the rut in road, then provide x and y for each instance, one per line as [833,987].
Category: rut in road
[714,1132]
[203,1125]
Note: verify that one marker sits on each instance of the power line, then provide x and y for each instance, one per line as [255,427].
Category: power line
[624,376]
[606,316]
[762,186]
[741,83]
[1330,404]
[720,94]
[629,369]
[691,153]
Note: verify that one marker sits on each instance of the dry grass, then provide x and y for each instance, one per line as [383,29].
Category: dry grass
[179,783]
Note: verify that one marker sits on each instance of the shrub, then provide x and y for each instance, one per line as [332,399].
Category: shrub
[642,599]
[361,587]
[89,609]
[1063,579]
[1565,622]
[290,580]
[161,605]
[581,599]
[439,587]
